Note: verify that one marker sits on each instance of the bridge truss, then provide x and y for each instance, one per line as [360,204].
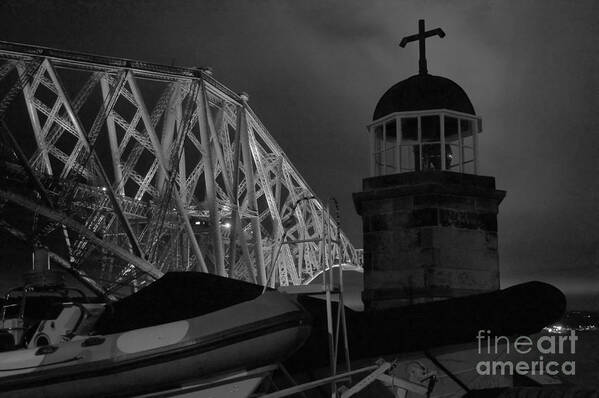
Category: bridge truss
[131,169]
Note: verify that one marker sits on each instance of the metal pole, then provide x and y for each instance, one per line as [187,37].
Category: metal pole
[341,307]
[313,384]
[327,289]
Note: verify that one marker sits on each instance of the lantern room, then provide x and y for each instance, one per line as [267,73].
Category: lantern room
[424,123]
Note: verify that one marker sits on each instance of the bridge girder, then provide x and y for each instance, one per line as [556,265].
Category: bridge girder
[194,182]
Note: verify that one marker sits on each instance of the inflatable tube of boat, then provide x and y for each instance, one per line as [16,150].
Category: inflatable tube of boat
[518,310]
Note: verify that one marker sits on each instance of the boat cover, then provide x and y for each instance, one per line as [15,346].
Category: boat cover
[175,296]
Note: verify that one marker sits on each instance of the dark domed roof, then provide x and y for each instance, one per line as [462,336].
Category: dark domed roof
[422,92]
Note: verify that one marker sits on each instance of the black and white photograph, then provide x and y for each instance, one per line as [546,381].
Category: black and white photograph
[311,199]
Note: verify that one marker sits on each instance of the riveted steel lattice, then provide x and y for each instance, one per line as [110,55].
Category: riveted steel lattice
[142,169]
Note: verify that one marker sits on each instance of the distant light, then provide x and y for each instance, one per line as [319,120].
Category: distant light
[198,222]
[227,225]
[104,189]
[557,329]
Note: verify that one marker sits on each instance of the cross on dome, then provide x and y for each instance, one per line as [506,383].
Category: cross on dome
[421,36]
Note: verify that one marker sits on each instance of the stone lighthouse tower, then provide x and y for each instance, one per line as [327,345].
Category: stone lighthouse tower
[429,220]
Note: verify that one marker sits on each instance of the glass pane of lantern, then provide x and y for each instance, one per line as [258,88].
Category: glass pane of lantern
[468,165]
[466,127]
[390,161]
[390,134]
[431,156]
[378,164]
[468,154]
[409,130]
[452,156]
[431,128]
[378,138]
[451,129]
[406,157]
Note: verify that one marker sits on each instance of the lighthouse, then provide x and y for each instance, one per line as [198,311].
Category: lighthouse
[429,219]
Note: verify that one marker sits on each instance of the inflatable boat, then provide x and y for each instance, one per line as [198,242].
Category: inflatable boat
[183,327]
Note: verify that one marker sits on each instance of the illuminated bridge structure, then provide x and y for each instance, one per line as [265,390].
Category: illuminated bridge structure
[126,170]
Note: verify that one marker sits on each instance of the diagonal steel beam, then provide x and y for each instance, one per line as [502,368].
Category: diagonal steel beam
[164,166]
[251,191]
[84,138]
[206,131]
[33,116]
[117,167]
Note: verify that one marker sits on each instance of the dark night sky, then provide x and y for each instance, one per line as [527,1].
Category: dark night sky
[315,70]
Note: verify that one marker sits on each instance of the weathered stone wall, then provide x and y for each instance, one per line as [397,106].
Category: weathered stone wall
[428,236]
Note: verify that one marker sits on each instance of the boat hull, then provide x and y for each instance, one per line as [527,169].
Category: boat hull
[237,385]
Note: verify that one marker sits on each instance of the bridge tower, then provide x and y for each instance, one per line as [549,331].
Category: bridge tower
[429,219]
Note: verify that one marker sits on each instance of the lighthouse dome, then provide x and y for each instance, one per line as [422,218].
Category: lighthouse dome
[423,92]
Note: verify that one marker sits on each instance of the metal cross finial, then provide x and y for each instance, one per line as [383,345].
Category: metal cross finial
[421,37]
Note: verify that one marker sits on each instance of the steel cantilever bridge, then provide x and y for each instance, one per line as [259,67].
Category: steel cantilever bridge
[126,170]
